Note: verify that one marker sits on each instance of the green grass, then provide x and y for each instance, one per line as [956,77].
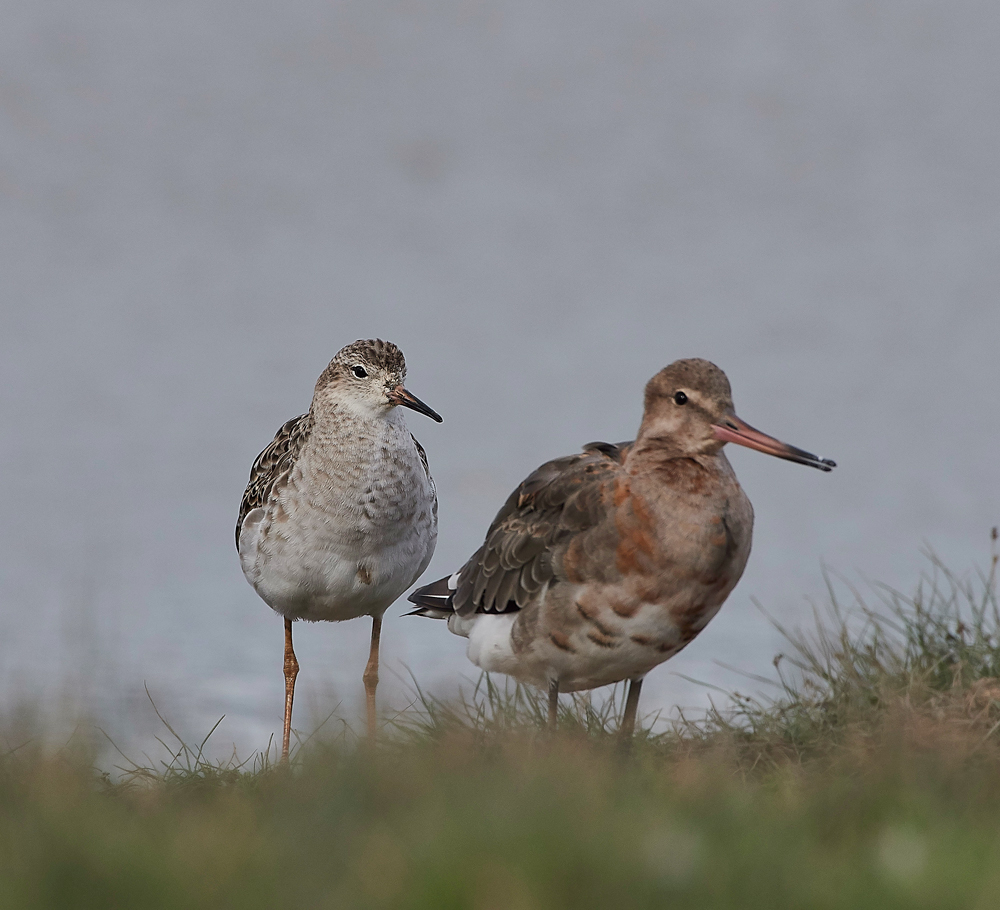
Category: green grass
[872,779]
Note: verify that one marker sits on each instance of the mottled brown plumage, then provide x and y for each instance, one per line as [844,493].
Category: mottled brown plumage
[273,465]
[532,531]
[603,564]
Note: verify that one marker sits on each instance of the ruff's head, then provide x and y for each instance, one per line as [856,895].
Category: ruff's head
[689,408]
[367,377]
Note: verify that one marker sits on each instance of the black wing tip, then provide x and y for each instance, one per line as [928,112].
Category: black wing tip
[423,611]
[437,598]
[422,594]
[432,611]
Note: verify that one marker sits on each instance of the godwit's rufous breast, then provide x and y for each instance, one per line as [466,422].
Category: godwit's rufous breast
[604,564]
[340,515]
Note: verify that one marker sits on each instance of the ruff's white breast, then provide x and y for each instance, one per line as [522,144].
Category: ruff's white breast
[353,526]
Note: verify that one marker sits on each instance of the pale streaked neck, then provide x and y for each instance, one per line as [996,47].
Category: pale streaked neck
[656,445]
[336,407]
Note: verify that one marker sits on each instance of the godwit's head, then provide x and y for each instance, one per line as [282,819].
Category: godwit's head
[689,406]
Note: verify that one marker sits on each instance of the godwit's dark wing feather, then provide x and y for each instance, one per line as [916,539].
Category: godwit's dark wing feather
[616,451]
[273,465]
[527,541]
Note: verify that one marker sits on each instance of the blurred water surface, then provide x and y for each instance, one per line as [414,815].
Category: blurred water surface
[542,203]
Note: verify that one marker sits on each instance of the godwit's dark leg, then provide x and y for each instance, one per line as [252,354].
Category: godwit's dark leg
[291,671]
[631,706]
[553,703]
[371,674]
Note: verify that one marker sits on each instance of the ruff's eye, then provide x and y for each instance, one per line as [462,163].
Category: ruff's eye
[359,371]
[680,398]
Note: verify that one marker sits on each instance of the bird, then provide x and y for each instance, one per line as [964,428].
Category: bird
[340,514]
[603,564]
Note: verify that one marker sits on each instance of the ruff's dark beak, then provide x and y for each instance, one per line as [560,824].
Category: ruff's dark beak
[399,396]
[732,429]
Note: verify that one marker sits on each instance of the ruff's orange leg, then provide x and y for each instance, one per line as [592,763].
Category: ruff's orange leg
[553,703]
[371,675]
[291,671]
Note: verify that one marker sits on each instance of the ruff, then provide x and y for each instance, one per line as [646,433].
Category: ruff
[340,514]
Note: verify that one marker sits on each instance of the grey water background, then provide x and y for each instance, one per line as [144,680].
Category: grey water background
[542,203]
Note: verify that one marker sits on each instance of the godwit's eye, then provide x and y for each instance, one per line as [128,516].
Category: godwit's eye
[680,398]
[360,372]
